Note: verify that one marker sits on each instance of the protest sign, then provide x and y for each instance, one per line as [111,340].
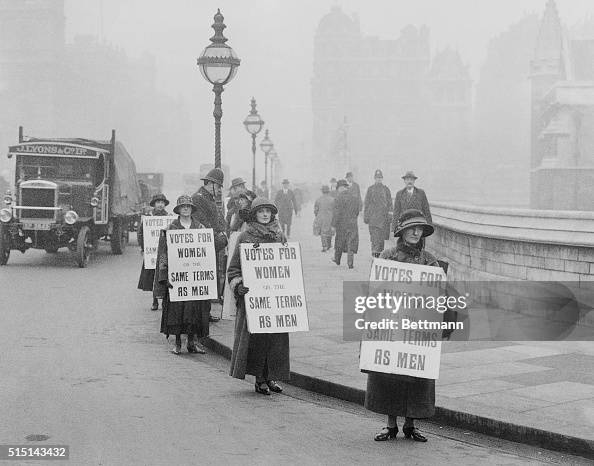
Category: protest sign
[403,336]
[192,264]
[276,300]
[151,229]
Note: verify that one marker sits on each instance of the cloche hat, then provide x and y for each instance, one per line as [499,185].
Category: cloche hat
[260,202]
[158,197]
[237,182]
[340,183]
[184,200]
[413,218]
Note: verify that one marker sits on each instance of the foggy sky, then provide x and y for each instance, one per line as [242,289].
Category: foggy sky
[274,40]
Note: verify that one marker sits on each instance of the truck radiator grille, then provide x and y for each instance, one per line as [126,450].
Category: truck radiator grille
[37,197]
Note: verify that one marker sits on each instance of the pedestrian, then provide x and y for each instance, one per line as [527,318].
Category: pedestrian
[287,204]
[410,197]
[235,190]
[344,220]
[237,226]
[263,355]
[333,191]
[354,189]
[323,211]
[147,276]
[207,213]
[187,317]
[262,191]
[400,395]
[377,213]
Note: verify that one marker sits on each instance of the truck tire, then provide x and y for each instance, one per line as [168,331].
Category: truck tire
[83,247]
[4,245]
[118,237]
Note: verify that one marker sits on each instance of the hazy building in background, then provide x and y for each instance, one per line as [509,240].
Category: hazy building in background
[502,118]
[380,103]
[562,78]
[83,89]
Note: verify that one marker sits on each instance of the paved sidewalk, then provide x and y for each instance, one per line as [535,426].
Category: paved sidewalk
[509,389]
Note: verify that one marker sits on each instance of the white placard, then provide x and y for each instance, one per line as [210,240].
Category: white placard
[151,229]
[192,264]
[411,349]
[276,301]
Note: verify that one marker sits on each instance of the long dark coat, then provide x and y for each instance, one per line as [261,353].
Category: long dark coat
[405,201]
[208,215]
[324,210]
[181,316]
[346,211]
[147,276]
[377,214]
[286,205]
[355,191]
[263,354]
[402,395]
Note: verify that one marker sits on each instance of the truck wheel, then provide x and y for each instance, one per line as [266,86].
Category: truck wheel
[118,237]
[4,245]
[83,247]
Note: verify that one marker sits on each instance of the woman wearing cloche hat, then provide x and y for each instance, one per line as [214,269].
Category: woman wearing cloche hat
[397,395]
[189,317]
[147,276]
[263,355]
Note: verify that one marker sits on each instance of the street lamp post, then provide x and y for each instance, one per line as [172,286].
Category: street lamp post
[266,145]
[253,124]
[273,158]
[218,64]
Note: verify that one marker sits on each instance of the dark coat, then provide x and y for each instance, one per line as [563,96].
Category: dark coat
[208,215]
[323,210]
[147,277]
[378,206]
[180,316]
[262,355]
[404,201]
[286,205]
[402,395]
[344,220]
[355,191]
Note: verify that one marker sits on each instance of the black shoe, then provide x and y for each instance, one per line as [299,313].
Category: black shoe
[386,434]
[214,319]
[192,349]
[413,432]
[155,305]
[276,388]
[262,388]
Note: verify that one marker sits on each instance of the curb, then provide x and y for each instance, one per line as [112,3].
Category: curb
[483,425]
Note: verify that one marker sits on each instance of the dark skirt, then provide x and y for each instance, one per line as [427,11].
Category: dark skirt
[185,317]
[147,277]
[400,395]
[346,240]
[259,354]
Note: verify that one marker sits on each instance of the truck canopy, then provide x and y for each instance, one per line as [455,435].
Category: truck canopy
[125,191]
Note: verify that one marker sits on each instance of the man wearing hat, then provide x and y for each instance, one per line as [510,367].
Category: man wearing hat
[323,211]
[208,214]
[287,204]
[236,189]
[354,189]
[377,213]
[344,220]
[410,197]
[147,276]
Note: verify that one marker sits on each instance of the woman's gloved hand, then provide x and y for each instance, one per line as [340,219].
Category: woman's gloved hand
[241,290]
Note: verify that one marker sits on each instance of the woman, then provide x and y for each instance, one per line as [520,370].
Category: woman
[147,276]
[400,395]
[237,224]
[263,355]
[189,317]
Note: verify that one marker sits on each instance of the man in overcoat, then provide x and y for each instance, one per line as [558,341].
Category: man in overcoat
[209,215]
[287,204]
[323,211]
[410,197]
[377,213]
[344,220]
[354,189]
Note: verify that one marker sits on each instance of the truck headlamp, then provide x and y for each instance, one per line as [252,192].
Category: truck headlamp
[70,217]
[5,215]
[7,200]
[94,202]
